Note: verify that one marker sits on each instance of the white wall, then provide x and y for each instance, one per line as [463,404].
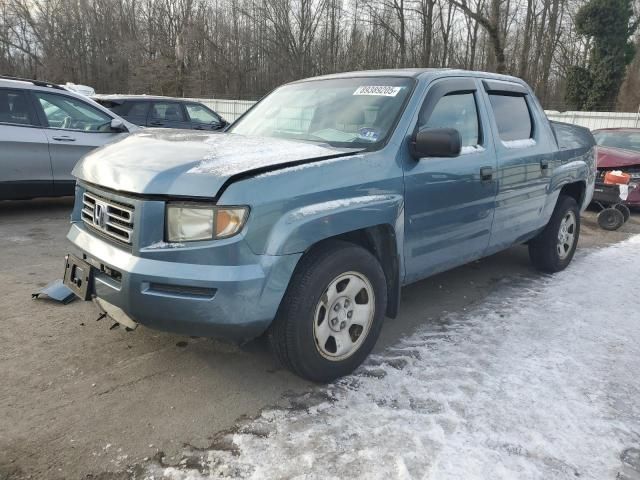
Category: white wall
[595,120]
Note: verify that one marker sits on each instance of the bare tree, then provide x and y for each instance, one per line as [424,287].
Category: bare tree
[491,22]
[244,48]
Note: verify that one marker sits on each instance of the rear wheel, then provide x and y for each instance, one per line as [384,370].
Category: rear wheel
[553,248]
[626,213]
[332,312]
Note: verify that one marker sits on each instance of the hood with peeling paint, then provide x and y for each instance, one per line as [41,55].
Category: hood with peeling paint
[188,163]
[609,157]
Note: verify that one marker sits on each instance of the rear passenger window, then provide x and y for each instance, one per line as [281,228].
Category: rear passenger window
[457,110]
[512,117]
[14,108]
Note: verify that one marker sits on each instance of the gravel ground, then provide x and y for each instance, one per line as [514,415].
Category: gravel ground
[81,401]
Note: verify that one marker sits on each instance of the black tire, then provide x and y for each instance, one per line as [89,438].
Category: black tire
[544,248]
[626,213]
[610,219]
[292,333]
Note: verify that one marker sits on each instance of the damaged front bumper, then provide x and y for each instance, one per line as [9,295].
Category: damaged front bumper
[233,302]
[115,313]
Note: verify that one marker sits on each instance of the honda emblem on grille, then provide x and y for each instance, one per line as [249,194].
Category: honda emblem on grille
[100,214]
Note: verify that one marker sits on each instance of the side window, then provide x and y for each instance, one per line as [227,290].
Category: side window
[138,109]
[135,112]
[512,117]
[14,108]
[457,110]
[117,107]
[72,114]
[167,112]
[201,114]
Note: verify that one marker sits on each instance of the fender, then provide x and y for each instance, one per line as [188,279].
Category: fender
[568,173]
[302,227]
[578,169]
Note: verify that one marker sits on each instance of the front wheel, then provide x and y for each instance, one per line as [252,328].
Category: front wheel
[332,312]
[553,248]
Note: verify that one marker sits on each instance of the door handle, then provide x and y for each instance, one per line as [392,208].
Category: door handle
[486,174]
[64,138]
[157,123]
[544,164]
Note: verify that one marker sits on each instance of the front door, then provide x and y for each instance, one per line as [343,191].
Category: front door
[74,129]
[449,202]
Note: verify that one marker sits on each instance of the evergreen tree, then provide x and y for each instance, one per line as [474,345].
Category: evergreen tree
[609,24]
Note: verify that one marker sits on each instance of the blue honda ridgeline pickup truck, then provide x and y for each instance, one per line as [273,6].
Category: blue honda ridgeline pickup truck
[306,217]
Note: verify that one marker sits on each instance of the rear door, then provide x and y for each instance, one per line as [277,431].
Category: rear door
[168,114]
[449,201]
[25,166]
[525,161]
[74,128]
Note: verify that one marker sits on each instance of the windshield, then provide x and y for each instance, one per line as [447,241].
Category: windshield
[627,140]
[345,112]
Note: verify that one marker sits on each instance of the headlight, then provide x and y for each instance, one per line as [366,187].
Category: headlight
[188,222]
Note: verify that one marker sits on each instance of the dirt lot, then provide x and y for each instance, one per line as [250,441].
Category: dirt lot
[79,399]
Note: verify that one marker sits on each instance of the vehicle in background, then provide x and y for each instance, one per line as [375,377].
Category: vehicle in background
[44,130]
[619,149]
[81,89]
[163,112]
[307,216]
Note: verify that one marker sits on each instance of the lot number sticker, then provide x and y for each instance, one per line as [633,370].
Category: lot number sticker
[381,91]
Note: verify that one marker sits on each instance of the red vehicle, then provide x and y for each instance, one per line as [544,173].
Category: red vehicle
[619,149]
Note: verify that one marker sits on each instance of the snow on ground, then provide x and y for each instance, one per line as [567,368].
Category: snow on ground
[540,381]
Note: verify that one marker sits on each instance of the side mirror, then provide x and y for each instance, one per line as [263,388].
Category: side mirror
[436,142]
[117,125]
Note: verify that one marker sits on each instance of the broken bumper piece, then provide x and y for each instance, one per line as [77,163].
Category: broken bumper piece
[115,313]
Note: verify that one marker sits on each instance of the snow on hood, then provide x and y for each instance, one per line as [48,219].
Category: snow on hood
[506,390]
[609,157]
[183,162]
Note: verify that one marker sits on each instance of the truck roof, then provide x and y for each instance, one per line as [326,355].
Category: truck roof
[415,73]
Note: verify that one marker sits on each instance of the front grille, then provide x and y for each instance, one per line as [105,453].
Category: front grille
[109,217]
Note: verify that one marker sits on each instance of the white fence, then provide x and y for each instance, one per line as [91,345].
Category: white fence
[232,109]
[595,120]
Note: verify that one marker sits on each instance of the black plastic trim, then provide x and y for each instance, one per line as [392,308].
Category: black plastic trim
[501,86]
[37,83]
[25,190]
